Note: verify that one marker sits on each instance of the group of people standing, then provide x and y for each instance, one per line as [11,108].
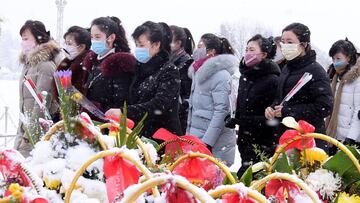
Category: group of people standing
[204,91]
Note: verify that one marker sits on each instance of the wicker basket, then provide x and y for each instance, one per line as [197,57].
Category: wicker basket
[198,193]
[221,190]
[101,155]
[259,184]
[326,138]
[224,168]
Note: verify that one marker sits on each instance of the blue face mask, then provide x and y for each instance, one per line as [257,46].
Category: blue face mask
[99,47]
[339,64]
[142,54]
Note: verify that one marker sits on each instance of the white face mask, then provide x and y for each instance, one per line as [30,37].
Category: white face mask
[71,51]
[290,51]
[199,53]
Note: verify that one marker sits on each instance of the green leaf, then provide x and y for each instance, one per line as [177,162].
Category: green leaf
[340,163]
[282,165]
[227,181]
[247,177]
[147,140]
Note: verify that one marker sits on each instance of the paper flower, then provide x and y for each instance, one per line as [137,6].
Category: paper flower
[301,127]
[64,78]
[281,189]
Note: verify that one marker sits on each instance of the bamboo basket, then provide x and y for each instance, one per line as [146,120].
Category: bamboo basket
[198,193]
[326,138]
[259,184]
[221,190]
[224,168]
[101,155]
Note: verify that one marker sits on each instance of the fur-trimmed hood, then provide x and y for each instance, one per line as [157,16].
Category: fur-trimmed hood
[42,53]
[353,73]
[113,65]
[226,62]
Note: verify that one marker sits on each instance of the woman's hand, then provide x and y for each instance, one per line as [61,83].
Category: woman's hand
[113,112]
[269,113]
[278,110]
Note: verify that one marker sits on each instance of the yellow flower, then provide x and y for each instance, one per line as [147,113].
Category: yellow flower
[17,195]
[346,198]
[52,184]
[14,187]
[312,155]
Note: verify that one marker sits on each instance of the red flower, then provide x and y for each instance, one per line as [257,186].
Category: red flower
[129,123]
[301,127]
[64,78]
[280,189]
[119,174]
[84,131]
[177,195]
[199,171]
[235,198]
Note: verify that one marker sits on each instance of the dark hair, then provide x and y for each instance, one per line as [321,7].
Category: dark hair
[301,31]
[277,40]
[184,35]
[37,29]
[112,25]
[156,32]
[267,45]
[220,44]
[81,36]
[346,47]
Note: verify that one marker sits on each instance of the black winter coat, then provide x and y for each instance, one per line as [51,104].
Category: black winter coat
[183,61]
[155,90]
[313,103]
[109,79]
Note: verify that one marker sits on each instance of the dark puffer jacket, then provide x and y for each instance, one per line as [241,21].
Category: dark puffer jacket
[109,79]
[183,61]
[155,90]
[313,103]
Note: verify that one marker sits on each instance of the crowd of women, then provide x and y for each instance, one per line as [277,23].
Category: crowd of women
[204,91]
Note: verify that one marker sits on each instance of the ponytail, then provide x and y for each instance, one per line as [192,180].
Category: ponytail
[189,44]
[226,47]
[167,37]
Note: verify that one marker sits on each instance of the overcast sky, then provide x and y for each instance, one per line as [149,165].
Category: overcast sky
[328,20]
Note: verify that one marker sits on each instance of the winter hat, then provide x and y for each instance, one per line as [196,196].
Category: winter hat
[38,29]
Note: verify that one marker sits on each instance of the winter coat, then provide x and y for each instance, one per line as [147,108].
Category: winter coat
[155,90]
[182,61]
[257,90]
[348,120]
[109,79]
[209,104]
[39,66]
[313,103]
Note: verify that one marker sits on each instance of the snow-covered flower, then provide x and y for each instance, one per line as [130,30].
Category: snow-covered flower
[325,182]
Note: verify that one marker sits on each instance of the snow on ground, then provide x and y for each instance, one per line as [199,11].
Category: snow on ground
[9,97]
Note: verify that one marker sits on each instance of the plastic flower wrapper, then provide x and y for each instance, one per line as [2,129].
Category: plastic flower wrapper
[282,190]
[300,128]
[325,182]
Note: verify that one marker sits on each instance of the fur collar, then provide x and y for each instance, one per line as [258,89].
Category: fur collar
[44,52]
[215,64]
[113,65]
[353,73]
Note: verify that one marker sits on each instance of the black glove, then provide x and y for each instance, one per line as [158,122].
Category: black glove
[359,114]
[209,147]
[229,122]
[349,141]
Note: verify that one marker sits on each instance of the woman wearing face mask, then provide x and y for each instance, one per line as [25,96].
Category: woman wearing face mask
[181,50]
[209,100]
[313,103]
[279,57]
[110,65]
[77,46]
[155,87]
[257,90]
[344,122]
[40,55]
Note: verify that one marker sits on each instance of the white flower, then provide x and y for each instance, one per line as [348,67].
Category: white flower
[325,182]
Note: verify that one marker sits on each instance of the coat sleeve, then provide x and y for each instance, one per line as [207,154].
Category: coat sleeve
[320,100]
[44,83]
[354,132]
[165,98]
[220,95]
